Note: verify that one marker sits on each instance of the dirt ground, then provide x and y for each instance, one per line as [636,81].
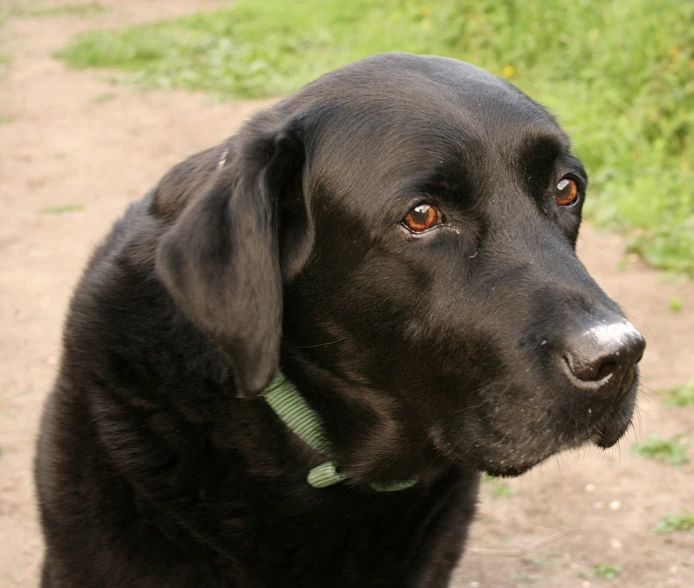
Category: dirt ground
[72,138]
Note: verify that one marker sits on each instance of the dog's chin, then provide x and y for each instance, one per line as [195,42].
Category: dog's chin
[612,432]
[510,471]
[605,438]
[605,435]
[515,456]
[613,428]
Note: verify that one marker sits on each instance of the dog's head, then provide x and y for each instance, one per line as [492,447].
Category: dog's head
[402,232]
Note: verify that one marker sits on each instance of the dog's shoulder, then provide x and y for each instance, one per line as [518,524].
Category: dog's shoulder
[122,326]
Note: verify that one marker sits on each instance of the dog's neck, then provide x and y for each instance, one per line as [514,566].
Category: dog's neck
[295,412]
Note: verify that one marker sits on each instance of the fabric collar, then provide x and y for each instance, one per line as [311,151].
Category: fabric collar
[291,407]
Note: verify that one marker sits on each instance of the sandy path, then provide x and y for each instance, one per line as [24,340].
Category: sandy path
[74,139]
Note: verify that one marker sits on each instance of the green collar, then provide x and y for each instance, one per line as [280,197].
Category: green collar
[291,407]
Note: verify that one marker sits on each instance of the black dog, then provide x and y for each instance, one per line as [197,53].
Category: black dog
[398,237]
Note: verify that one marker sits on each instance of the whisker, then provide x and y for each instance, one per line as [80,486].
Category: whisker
[647,392]
[641,410]
[641,324]
[321,344]
[633,429]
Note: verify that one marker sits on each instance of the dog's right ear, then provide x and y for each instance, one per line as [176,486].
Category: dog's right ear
[226,257]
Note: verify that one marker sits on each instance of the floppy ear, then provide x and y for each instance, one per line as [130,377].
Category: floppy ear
[225,259]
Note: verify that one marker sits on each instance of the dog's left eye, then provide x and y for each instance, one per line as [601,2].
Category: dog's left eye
[422,218]
[567,192]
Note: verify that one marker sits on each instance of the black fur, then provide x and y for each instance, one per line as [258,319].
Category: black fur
[430,356]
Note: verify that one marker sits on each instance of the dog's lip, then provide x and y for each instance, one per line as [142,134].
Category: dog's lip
[502,467]
[604,437]
[608,436]
[605,431]
[615,425]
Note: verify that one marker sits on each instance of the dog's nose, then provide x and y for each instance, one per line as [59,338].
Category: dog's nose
[602,359]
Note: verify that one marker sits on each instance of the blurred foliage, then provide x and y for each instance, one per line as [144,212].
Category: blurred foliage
[497,487]
[673,451]
[31,8]
[675,304]
[62,208]
[619,75]
[607,571]
[680,395]
[673,522]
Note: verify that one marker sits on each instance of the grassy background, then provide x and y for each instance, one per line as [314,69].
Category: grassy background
[619,74]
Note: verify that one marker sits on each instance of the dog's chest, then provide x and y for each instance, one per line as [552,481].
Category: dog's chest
[410,540]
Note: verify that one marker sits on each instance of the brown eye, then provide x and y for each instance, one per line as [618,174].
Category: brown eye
[567,192]
[422,218]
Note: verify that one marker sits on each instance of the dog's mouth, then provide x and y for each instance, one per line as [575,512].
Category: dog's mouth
[513,457]
[615,422]
[615,426]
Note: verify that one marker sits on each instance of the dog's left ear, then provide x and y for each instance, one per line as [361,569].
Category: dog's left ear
[226,258]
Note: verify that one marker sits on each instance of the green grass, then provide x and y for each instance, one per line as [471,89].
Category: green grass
[670,523]
[680,395]
[672,451]
[620,76]
[104,97]
[5,62]
[496,487]
[607,571]
[675,304]
[550,561]
[62,208]
[81,9]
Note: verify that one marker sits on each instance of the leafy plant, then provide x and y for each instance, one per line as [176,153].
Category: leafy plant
[675,304]
[680,395]
[103,97]
[607,571]
[497,488]
[672,450]
[670,523]
[622,84]
[61,208]
[81,9]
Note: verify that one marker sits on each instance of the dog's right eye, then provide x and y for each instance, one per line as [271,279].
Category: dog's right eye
[567,192]
[422,218]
